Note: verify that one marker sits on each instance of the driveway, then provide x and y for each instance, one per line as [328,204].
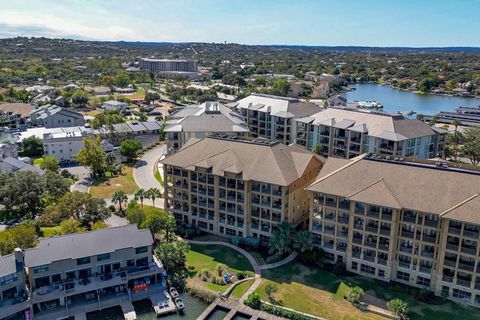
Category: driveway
[144,171]
[83,176]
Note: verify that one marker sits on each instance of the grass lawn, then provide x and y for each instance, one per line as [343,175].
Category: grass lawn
[123,182]
[158,176]
[240,289]
[152,210]
[92,113]
[139,94]
[207,258]
[314,291]
[50,231]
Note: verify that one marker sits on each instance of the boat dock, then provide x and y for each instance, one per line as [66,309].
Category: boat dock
[128,311]
[162,306]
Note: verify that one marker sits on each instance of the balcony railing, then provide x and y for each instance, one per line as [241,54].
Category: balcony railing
[406,249]
[407,234]
[404,264]
[450,263]
[466,266]
[369,258]
[452,247]
[464,283]
[429,239]
[472,251]
[425,269]
[371,229]
[471,234]
[409,219]
[448,279]
[454,230]
[431,223]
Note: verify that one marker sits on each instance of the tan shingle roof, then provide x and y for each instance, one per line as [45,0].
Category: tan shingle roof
[23,109]
[452,194]
[276,163]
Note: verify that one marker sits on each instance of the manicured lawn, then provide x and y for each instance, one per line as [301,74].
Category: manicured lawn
[152,210]
[139,94]
[206,258]
[50,231]
[158,176]
[123,182]
[240,289]
[314,291]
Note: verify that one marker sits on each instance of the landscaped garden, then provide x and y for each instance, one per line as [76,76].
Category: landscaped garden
[208,264]
[107,187]
[314,291]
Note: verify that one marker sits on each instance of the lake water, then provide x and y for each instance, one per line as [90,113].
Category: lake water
[193,309]
[394,100]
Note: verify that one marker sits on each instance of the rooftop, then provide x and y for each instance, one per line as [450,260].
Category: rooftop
[79,245]
[8,265]
[23,109]
[284,107]
[426,186]
[256,159]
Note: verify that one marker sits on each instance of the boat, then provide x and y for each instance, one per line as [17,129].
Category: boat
[173,292]
[179,303]
[369,105]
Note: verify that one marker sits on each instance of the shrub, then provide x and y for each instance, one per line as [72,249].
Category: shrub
[241,275]
[355,294]
[203,294]
[253,301]
[270,289]
[283,313]
[220,269]
[398,308]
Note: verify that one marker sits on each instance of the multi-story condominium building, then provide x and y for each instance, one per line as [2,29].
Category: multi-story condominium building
[199,121]
[347,133]
[52,116]
[14,303]
[113,105]
[85,272]
[236,186]
[64,145]
[15,114]
[170,67]
[415,223]
[273,117]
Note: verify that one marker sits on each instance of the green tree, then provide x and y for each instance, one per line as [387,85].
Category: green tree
[50,163]
[130,148]
[153,193]
[80,97]
[280,242]
[456,124]
[398,308]
[253,301]
[121,80]
[119,197]
[317,149]
[81,206]
[303,241]
[23,236]
[70,225]
[172,254]
[31,147]
[107,119]
[107,81]
[471,147]
[92,156]
[151,96]
[355,294]
[280,87]
[140,194]
[270,289]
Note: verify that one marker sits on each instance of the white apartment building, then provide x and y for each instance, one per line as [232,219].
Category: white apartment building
[113,105]
[170,67]
[273,117]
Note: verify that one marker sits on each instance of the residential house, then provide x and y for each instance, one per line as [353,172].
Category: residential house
[113,105]
[53,116]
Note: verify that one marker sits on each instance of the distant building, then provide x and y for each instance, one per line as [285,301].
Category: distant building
[346,133]
[113,105]
[53,116]
[237,186]
[9,150]
[273,117]
[15,114]
[13,287]
[12,165]
[202,120]
[468,116]
[170,67]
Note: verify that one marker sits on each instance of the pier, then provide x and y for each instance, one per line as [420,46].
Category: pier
[236,308]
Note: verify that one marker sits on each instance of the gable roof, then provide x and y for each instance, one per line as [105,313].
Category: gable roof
[268,161]
[79,245]
[451,193]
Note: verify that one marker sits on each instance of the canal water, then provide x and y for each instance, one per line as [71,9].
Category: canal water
[394,100]
[193,309]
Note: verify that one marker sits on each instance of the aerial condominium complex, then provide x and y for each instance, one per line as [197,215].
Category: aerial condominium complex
[170,67]
[416,223]
[273,117]
[347,133]
[237,186]
[201,120]
[79,273]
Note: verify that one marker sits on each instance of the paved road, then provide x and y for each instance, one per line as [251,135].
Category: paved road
[83,176]
[144,170]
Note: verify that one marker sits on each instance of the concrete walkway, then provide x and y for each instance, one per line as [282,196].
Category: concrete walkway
[146,167]
[256,267]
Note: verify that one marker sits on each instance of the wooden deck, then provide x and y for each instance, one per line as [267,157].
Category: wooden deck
[235,307]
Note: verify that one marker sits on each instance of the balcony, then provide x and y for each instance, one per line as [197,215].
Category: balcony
[464,283]
[431,223]
[383,247]
[406,249]
[469,250]
[371,244]
[450,263]
[328,230]
[373,214]
[454,230]
[427,254]
[385,231]
[429,239]
[407,234]
[11,306]
[383,262]
[409,219]
[369,258]
[466,266]
[373,229]
[328,245]
[448,279]
[470,234]
[452,246]
[357,240]
[356,254]
[343,220]
[387,216]
[341,248]
[425,269]
[404,264]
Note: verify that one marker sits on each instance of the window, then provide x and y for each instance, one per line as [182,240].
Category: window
[404,276]
[8,279]
[40,269]
[141,250]
[367,269]
[445,291]
[423,281]
[460,294]
[381,273]
[84,260]
[130,263]
[354,265]
[103,257]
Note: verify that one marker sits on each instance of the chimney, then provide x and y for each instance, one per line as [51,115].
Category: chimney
[19,258]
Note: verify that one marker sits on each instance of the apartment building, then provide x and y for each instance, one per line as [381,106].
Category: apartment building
[201,120]
[347,133]
[90,271]
[64,145]
[238,186]
[273,117]
[170,67]
[14,303]
[415,223]
[53,116]
[113,105]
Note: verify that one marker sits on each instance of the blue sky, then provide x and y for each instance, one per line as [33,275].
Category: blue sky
[336,22]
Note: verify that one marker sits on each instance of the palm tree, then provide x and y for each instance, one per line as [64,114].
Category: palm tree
[154,193]
[119,197]
[317,149]
[398,308]
[140,195]
[303,241]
